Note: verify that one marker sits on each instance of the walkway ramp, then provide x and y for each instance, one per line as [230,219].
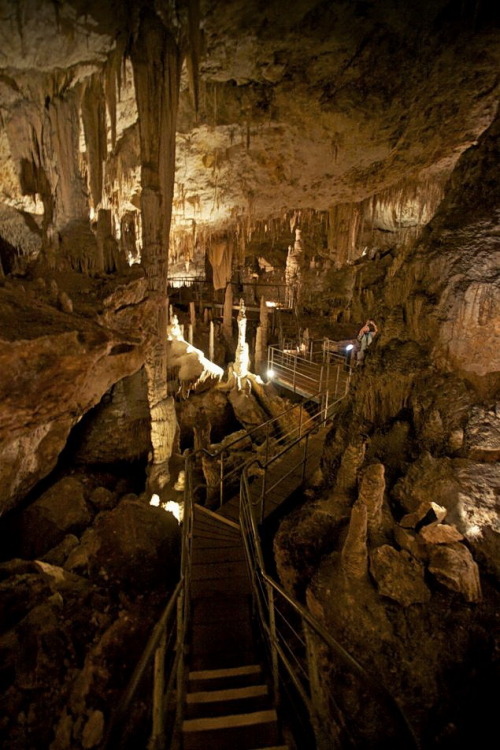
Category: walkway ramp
[228,703]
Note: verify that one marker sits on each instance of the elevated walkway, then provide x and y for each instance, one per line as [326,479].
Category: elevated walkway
[307,373]
[216,688]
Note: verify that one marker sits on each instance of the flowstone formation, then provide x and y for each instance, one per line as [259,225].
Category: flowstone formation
[399,554]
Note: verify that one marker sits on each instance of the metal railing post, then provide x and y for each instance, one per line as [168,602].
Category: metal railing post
[306,448]
[267,443]
[158,713]
[274,642]
[221,481]
[263,495]
[300,420]
[294,372]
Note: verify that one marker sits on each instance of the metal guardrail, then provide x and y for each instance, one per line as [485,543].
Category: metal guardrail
[164,656]
[297,644]
[309,372]
[292,423]
[165,649]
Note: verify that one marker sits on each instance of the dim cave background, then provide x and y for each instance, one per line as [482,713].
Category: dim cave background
[169,169]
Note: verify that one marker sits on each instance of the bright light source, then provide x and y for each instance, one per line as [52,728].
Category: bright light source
[175,509]
[155,500]
[270,303]
[349,347]
[271,373]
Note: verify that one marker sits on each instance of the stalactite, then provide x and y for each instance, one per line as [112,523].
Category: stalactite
[94,125]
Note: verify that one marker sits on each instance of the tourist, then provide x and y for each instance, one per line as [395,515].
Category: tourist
[365,338]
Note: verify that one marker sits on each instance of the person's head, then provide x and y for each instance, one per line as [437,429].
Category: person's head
[371,325]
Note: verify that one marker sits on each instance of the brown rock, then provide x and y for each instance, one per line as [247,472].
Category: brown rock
[58,555]
[440,533]
[398,575]
[454,567]
[134,544]
[411,542]
[93,730]
[482,435]
[371,493]
[60,510]
[354,555]
[102,498]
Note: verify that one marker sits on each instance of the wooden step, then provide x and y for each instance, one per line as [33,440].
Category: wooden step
[218,679]
[238,584]
[224,660]
[218,554]
[234,700]
[220,638]
[242,731]
[207,571]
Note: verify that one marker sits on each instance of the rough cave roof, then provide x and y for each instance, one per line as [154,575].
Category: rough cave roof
[303,105]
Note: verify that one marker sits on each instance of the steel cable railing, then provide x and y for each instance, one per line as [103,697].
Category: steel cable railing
[315,663]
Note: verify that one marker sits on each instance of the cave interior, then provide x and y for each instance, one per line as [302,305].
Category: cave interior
[194,194]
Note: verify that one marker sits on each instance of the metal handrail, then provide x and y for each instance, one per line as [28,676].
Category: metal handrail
[307,634]
[272,429]
[159,651]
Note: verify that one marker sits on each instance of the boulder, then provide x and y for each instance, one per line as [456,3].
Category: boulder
[411,542]
[59,511]
[398,575]
[427,512]
[134,545]
[59,554]
[454,567]
[440,533]
[102,498]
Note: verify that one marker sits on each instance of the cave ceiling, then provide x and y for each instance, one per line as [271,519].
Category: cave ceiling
[302,105]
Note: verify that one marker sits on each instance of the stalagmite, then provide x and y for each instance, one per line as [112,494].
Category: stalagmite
[241,358]
[211,342]
[354,556]
[258,350]
[261,337]
[192,315]
[292,271]
[227,321]
[157,63]
[371,493]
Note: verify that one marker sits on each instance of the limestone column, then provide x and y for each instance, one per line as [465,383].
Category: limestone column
[156,62]
[227,320]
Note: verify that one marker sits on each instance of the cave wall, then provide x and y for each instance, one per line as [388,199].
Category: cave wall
[410,588]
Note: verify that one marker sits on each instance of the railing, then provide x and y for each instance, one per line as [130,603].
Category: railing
[303,374]
[301,439]
[163,659]
[284,429]
[314,666]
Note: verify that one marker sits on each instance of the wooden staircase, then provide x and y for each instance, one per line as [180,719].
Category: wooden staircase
[228,704]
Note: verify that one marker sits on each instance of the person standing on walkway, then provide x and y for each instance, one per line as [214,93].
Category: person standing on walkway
[365,337]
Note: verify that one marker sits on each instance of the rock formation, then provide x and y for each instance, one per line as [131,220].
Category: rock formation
[338,157]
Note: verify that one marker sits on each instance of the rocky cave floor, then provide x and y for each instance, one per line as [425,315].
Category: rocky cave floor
[82,584]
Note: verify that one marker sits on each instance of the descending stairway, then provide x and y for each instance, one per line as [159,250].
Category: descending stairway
[228,704]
